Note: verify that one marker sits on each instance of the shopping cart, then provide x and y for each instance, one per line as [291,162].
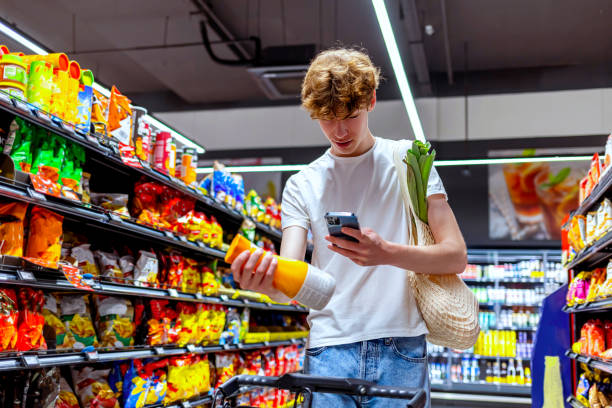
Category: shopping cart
[305,385]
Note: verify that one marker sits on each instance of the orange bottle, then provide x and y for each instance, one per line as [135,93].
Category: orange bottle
[296,279]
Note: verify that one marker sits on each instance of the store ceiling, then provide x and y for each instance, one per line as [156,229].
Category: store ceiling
[517,45]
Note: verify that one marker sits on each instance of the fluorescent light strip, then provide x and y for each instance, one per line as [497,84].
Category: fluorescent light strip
[104,91]
[398,68]
[437,163]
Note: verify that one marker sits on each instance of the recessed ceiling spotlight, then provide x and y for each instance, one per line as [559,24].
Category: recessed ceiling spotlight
[429,30]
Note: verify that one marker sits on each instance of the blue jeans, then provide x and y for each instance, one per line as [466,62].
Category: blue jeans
[394,361]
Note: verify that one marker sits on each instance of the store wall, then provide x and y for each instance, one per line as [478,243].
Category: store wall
[502,116]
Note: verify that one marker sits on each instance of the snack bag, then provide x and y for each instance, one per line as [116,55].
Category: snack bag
[44,240]
[216,239]
[598,277]
[51,313]
[163,327]
[85,259]
[135,386]
[146,269]
[113,202]
[188,316]
[109,266]
[115,321]
[209,285]
[604,218]
[158,382]
[12,215]
[98,109]
[67,398]
[191,276]
[173,270]
[21,150]
[119,116]
[225,367]
[31,321]
[178,379]
[77,318]
[8,319]
[127,265]
[231,334]
[91,386]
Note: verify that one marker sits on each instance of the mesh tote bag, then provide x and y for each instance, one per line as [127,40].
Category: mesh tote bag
[448,306]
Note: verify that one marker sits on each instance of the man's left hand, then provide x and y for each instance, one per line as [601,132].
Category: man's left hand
[369,251]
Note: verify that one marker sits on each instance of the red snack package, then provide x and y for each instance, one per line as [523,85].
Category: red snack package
[146,197]
[31,320]
[45,238]
[8,319]
[608,329]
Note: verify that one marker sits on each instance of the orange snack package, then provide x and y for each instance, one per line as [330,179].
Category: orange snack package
[45,238]
[11,228]
[98,116]
[31,320]
[120,117]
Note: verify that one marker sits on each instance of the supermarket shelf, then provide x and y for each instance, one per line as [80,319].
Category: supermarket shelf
[592,362]
[483,388]
[33,360]
[488,399]
[538,281]
[495,256]
[493,304]
[53,280]
[597,305]
[107,150]
[573,401]
[470,355]
[103,219]
[598,252]
[605,182]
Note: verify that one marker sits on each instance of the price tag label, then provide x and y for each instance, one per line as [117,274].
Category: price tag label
[35,194]
[266,343]
[240,346]
[145,164]
[25,275]
[200,244]
[226,347]
[92,355]
[5,98]
[186,404]
[59,124]
[183,239]
[224,298]
[293,341]
[20,105]
[169,234]
[199,296]
[42,116]
[158,350]
[31,361]
[173,293]
[246,301]
[191,348]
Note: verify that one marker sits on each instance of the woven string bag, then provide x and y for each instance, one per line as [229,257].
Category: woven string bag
[447,305]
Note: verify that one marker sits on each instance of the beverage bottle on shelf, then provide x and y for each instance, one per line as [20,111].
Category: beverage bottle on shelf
[473,370]
[454,374]
[511,372]
[476,369]
[503,372]
[527,376]
[465,369]
[520,375]
[496,372]
[489,372]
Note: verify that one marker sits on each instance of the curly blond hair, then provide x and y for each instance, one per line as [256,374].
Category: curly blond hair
[339,82]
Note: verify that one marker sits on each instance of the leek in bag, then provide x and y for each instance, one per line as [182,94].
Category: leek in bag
[447,305]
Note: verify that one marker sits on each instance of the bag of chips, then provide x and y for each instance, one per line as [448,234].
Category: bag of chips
[85,259]
[31,321]
[55,329]
[127,264]
[146,270]
[117,203]
[45,238]
[163,327]
[67,398]
[77,317]
[119,116]
[12,215]
[115,321]
[188,317]
[8,319]
[109,266]
[91,386]
[191,276]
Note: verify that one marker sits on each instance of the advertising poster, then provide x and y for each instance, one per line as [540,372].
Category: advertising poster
[528,201]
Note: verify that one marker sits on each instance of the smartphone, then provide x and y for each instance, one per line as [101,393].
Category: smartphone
[337,220]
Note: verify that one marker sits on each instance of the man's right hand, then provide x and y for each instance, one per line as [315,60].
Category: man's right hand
[258,278]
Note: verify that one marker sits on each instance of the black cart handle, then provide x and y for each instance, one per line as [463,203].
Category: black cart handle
[351,386]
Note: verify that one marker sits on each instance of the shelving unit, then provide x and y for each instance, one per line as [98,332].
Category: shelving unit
[512,394]
[596,255]
[103,153]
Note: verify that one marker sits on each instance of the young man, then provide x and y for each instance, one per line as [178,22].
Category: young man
[371,328]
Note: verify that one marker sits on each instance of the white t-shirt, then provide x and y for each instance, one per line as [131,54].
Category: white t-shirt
[369,302]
